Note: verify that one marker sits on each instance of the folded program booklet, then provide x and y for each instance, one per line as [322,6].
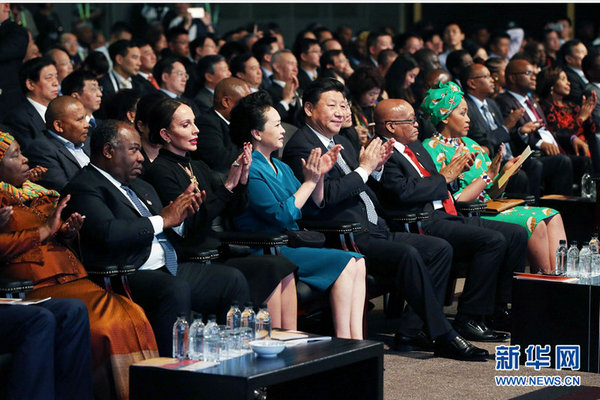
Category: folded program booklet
[509,172]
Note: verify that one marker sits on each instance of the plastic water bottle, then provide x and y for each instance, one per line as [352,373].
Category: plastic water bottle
[572,259]
[197,338]
[585,262]
[180,337]
[561,258]
[263,323]
[234,316]
[249,317]
[211,339]
[588,187]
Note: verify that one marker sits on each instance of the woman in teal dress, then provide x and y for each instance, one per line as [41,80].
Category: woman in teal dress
[447,109]
[276,198]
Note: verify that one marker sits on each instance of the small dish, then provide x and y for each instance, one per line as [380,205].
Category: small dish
[267,348]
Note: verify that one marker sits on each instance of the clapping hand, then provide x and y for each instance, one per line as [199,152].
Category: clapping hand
[5,214]
[329,159]
[587,107]
[311,167]
[184,206]
[35,174]
[246,162]
[459,163]
[496,162]
[387,149]
[72,225]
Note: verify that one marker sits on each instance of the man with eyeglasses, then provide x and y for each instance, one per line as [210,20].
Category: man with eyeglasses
[488,128]
[84,86]
[308,54]
[556,167]
[493,250]
[172,77]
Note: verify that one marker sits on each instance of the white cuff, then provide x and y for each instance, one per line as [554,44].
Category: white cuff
[157,224]
[363,174]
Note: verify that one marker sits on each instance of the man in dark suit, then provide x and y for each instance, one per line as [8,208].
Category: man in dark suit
[217,150]
[263,50]
[65,148]
[308,54]
[125,57]
[210,71]
[494,250]
[571,54]
[284,89]
[557,169]
[144,79]
[126,224]
[83,86]
[418,265]
[39,82]
[490,130]
[13,46]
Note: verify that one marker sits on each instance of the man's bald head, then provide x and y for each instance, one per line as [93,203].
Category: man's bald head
[66,117]
[395,118]
[227,94]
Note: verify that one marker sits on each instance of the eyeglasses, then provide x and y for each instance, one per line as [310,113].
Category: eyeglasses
[528,73]
[182,74]
[401,121]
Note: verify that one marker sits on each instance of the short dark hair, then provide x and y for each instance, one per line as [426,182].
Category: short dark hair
[207,65]
[161,118]
[75,82]
[362,80]
[567,50]
[302,46]
[465,75]
[119,27]
[198,42]
[121,48]
[494,64]
[238,63]
[248,114]
[231,49]
[32,69]
[145,106]
[313,92]
[327,57]
[118,104]
[173,33]
[106,132]
[262,46]
[454,60]
[496,36]
[373,36]
[96,63]
[401,39]
[164,65]
[588,61]
[546,79]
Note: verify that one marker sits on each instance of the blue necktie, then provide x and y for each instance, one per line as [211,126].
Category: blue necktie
[170,254]
[93,123]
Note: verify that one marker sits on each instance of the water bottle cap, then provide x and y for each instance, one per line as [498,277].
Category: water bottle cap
[595,235]
[562,241]
[263,305]
[181,315]
[574,242]
[235,303]
[212,316]
[248,304]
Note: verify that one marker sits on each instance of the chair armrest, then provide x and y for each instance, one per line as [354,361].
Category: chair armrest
[203,256]
[253,238]
[536,154]
[467,206]
[330,227]
[15,286]
[103,270]
[528,198]
[423,216]
[403,218]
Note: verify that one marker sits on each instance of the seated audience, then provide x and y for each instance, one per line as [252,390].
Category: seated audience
[247,68]
[39,83]
[263,50]
[83,86]
[142,115]
[125,56]
[365,86]
[494,250]
[336,60]
[120,333]
[497,67]
[571,55]
[572,125]
[400,77]
[448,110]
[96,63]
[65,148]
[121,106]
[62,62]
[270,278]
[147,82]
[126,224]
[417,265]
[284,88]
[308,54]
[276,198]
[210,71]
[217,149]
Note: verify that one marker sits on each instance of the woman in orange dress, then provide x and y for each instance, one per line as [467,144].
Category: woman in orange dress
[43,252]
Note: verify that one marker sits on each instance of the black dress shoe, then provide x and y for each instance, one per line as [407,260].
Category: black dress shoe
[478,331]
[459,349]
[501,320]
[419,342]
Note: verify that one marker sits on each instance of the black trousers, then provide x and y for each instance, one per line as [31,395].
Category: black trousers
[204,288]
[50,343]
[419,266]
[493,250]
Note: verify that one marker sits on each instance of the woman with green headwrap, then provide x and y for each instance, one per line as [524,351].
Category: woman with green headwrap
[447,109]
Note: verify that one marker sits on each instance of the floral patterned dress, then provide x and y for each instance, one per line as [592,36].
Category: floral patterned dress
[562,121]
[442,149]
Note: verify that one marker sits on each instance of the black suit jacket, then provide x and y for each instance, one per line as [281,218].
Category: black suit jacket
[292,115]
[507,102]
[403,189]
[303,79]
[25,124]
[479,130]
[204,99]
[143,85]
[49,152]
[217,149]
[114,231]
[342,200]
[577,86]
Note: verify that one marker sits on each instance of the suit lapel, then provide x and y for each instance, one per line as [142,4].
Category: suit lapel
[116,193]
[146,196]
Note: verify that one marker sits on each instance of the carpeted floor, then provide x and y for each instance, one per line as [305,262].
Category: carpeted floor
[419,375]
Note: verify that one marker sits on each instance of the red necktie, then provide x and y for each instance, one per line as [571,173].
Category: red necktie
[532,108]
[448,202]
[153,81]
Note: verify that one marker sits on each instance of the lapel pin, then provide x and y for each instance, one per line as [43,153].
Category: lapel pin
[149,202]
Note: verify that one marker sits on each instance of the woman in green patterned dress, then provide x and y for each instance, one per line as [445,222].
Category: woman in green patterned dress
[447,109]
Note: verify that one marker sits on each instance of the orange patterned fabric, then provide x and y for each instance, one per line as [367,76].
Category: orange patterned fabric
[121,333]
